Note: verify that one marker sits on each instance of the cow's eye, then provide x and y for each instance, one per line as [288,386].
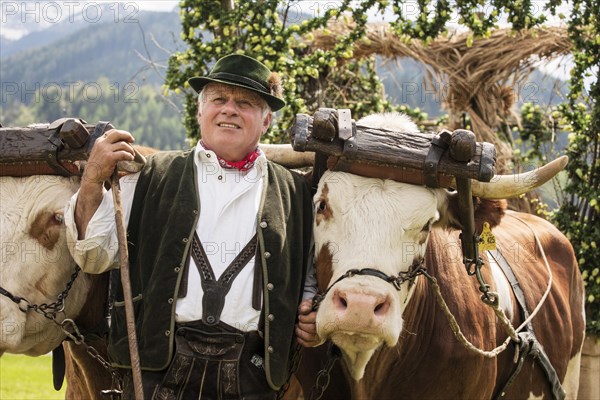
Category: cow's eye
[322,206]
[427,226]
[60,218]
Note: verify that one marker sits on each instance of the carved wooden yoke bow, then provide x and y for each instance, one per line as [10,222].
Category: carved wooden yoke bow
[59,148]
[444,159]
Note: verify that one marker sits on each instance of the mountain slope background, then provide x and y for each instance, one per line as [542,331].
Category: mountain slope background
[110,49]
[109,70]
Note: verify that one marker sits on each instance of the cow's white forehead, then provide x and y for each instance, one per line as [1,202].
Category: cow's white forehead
[373,219]
[21,199]
[355,198]
[375,214]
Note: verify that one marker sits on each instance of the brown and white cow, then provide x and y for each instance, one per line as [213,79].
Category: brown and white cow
[33,245]
[36,265]
[397,344]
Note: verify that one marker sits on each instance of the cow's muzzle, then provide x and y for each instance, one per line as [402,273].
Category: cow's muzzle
[417,268]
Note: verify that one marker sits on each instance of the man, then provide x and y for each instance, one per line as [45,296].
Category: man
[219,245]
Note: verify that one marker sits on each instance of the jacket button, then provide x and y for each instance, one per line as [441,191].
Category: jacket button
[271,317]
[177,269]
[270,286]
[270,349]
[195,212]
[263,224]
[170,301]
[185,240]
[167,332]
[267,254]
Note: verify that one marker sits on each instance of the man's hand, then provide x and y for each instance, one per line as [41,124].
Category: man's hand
[108,149]
[113,146]
[306,329]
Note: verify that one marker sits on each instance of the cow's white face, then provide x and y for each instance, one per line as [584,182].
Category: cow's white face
[35,261]
[367,223]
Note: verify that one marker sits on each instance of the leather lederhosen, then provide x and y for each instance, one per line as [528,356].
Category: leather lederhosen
[212,360]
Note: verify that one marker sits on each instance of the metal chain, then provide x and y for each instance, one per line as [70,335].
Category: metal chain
[47,310]
[324,375]
[67,325]
[295,362]
[70,328]
[473,267]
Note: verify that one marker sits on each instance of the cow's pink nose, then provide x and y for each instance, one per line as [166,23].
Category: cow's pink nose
[358,303]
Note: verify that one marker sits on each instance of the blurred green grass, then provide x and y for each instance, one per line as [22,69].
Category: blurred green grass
[24,377]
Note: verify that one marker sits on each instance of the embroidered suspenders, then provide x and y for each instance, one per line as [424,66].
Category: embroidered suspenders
[215,290]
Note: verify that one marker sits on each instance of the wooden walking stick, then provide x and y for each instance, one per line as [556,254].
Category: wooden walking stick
[126,283]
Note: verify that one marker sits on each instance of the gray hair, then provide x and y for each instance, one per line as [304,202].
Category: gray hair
[266,109]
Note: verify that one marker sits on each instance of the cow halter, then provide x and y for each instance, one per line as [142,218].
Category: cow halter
[417,268]
[47,310]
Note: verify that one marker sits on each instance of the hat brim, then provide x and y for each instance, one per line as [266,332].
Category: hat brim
[198,82]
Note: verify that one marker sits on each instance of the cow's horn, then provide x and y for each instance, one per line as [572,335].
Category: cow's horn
[507,186]
[284,154]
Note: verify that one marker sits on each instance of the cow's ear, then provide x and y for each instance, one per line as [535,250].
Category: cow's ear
[490,211]
[46,228]
[448,209]
[485,210]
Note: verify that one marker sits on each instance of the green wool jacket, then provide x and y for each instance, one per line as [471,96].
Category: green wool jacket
[164,216]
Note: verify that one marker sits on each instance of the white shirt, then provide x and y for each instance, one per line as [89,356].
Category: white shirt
[229,202]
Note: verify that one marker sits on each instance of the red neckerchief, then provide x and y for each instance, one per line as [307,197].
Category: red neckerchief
[243,165]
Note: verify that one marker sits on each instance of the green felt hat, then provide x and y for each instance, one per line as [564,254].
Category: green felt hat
[246,72]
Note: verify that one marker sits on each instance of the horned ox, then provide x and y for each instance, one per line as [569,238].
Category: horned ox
[397,344]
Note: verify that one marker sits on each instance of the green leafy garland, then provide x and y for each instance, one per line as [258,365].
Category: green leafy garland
[579,214]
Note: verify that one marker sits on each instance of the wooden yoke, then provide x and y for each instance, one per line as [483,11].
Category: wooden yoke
[431,159]
[59,148]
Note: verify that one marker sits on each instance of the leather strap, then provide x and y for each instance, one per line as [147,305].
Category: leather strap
[257,284]
[56,145]
[58,367]
[514,283]
[529,344]
[215,291]
[439,145]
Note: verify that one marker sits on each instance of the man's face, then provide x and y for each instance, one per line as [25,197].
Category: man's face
[231,120]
